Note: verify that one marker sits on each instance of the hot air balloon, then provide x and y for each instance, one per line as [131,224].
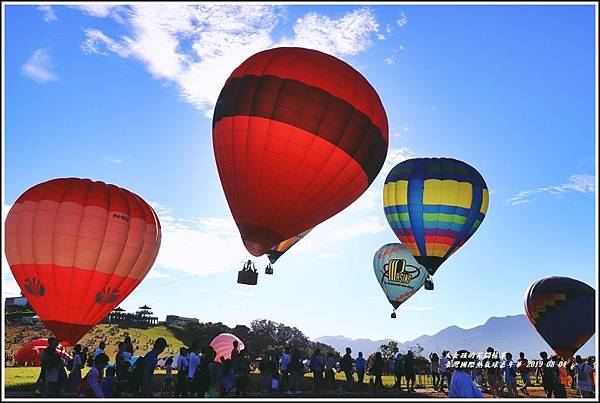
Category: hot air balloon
[30,353]
[223,345]
[398,273]
[279,249]
[77,248]
[562,310]
[298,135]
[434,205]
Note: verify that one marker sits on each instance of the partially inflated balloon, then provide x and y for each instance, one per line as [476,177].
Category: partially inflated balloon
[30,352]
[278,250]
[77,248]
[434,205]
[223,345]
[562,310]
[398,273]
[298,135]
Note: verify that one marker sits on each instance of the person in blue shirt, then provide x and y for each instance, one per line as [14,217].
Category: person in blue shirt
[462,384]
[109,382]
[360,369]
[150,361]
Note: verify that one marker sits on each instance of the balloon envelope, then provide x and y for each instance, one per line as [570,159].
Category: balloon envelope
[77,248]
[398,273]
[278,250]
[223,345]
[30,352]
[434,205]
[298,135]
[562,310]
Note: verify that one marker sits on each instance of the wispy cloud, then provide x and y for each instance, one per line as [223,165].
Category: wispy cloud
[156,274]
[38,67]
[389,60]
[48,13]
[99,10]
[576,183]
[402,20]
[114,160]
[196,46]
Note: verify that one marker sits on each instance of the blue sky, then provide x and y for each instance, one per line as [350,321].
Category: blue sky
[124,94]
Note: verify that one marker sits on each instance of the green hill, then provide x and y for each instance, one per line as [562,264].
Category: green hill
[143,339]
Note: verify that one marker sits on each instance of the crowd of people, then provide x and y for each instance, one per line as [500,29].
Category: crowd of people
[200,373]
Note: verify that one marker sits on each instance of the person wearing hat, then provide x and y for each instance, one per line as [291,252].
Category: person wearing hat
[150,361]
[462,384]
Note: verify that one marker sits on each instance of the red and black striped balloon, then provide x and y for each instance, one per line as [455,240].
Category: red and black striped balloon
[298,136]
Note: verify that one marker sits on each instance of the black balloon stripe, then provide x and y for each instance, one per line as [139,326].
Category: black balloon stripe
[309,108]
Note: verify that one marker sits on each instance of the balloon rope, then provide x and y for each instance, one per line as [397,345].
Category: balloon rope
[434,318]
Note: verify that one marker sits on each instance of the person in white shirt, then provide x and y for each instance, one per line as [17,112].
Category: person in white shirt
[443,370]
[193,363]
[93,383]
[182,364]
[99,350]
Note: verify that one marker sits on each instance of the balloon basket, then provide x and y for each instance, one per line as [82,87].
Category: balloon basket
[247,277]
[428,285]
[393,315]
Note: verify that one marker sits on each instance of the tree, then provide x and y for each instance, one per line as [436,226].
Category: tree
[389,350]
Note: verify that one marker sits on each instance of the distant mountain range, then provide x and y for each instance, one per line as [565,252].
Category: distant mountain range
[511,333]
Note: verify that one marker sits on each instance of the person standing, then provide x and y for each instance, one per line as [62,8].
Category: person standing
[75,375]
[549,376]
[316,365]
[285,373]
[444,370]
[492,370]
[193,363]
[296,372]
[92,387]
[329,375]
[53,369]
[510,375]
[346,365]
[523,369]
[435,370]
[150,361]
[182,372]
[398,369]
[583,374]
[409,371]
[462,385]
[99,350]
[377,371]
[361,363]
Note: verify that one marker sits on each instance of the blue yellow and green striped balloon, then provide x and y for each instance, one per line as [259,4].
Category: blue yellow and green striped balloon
[434,205]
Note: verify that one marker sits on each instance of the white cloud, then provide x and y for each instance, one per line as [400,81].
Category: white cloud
[99,10]
[417,308]
[153,273]
[98,43]
[48,13]
[394,157]
[196,46]
[38,67]
[389,60]
[575,183]
[381,37]
[402,20]
[348,35]
[388,29]
[200,246]
[114,160]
